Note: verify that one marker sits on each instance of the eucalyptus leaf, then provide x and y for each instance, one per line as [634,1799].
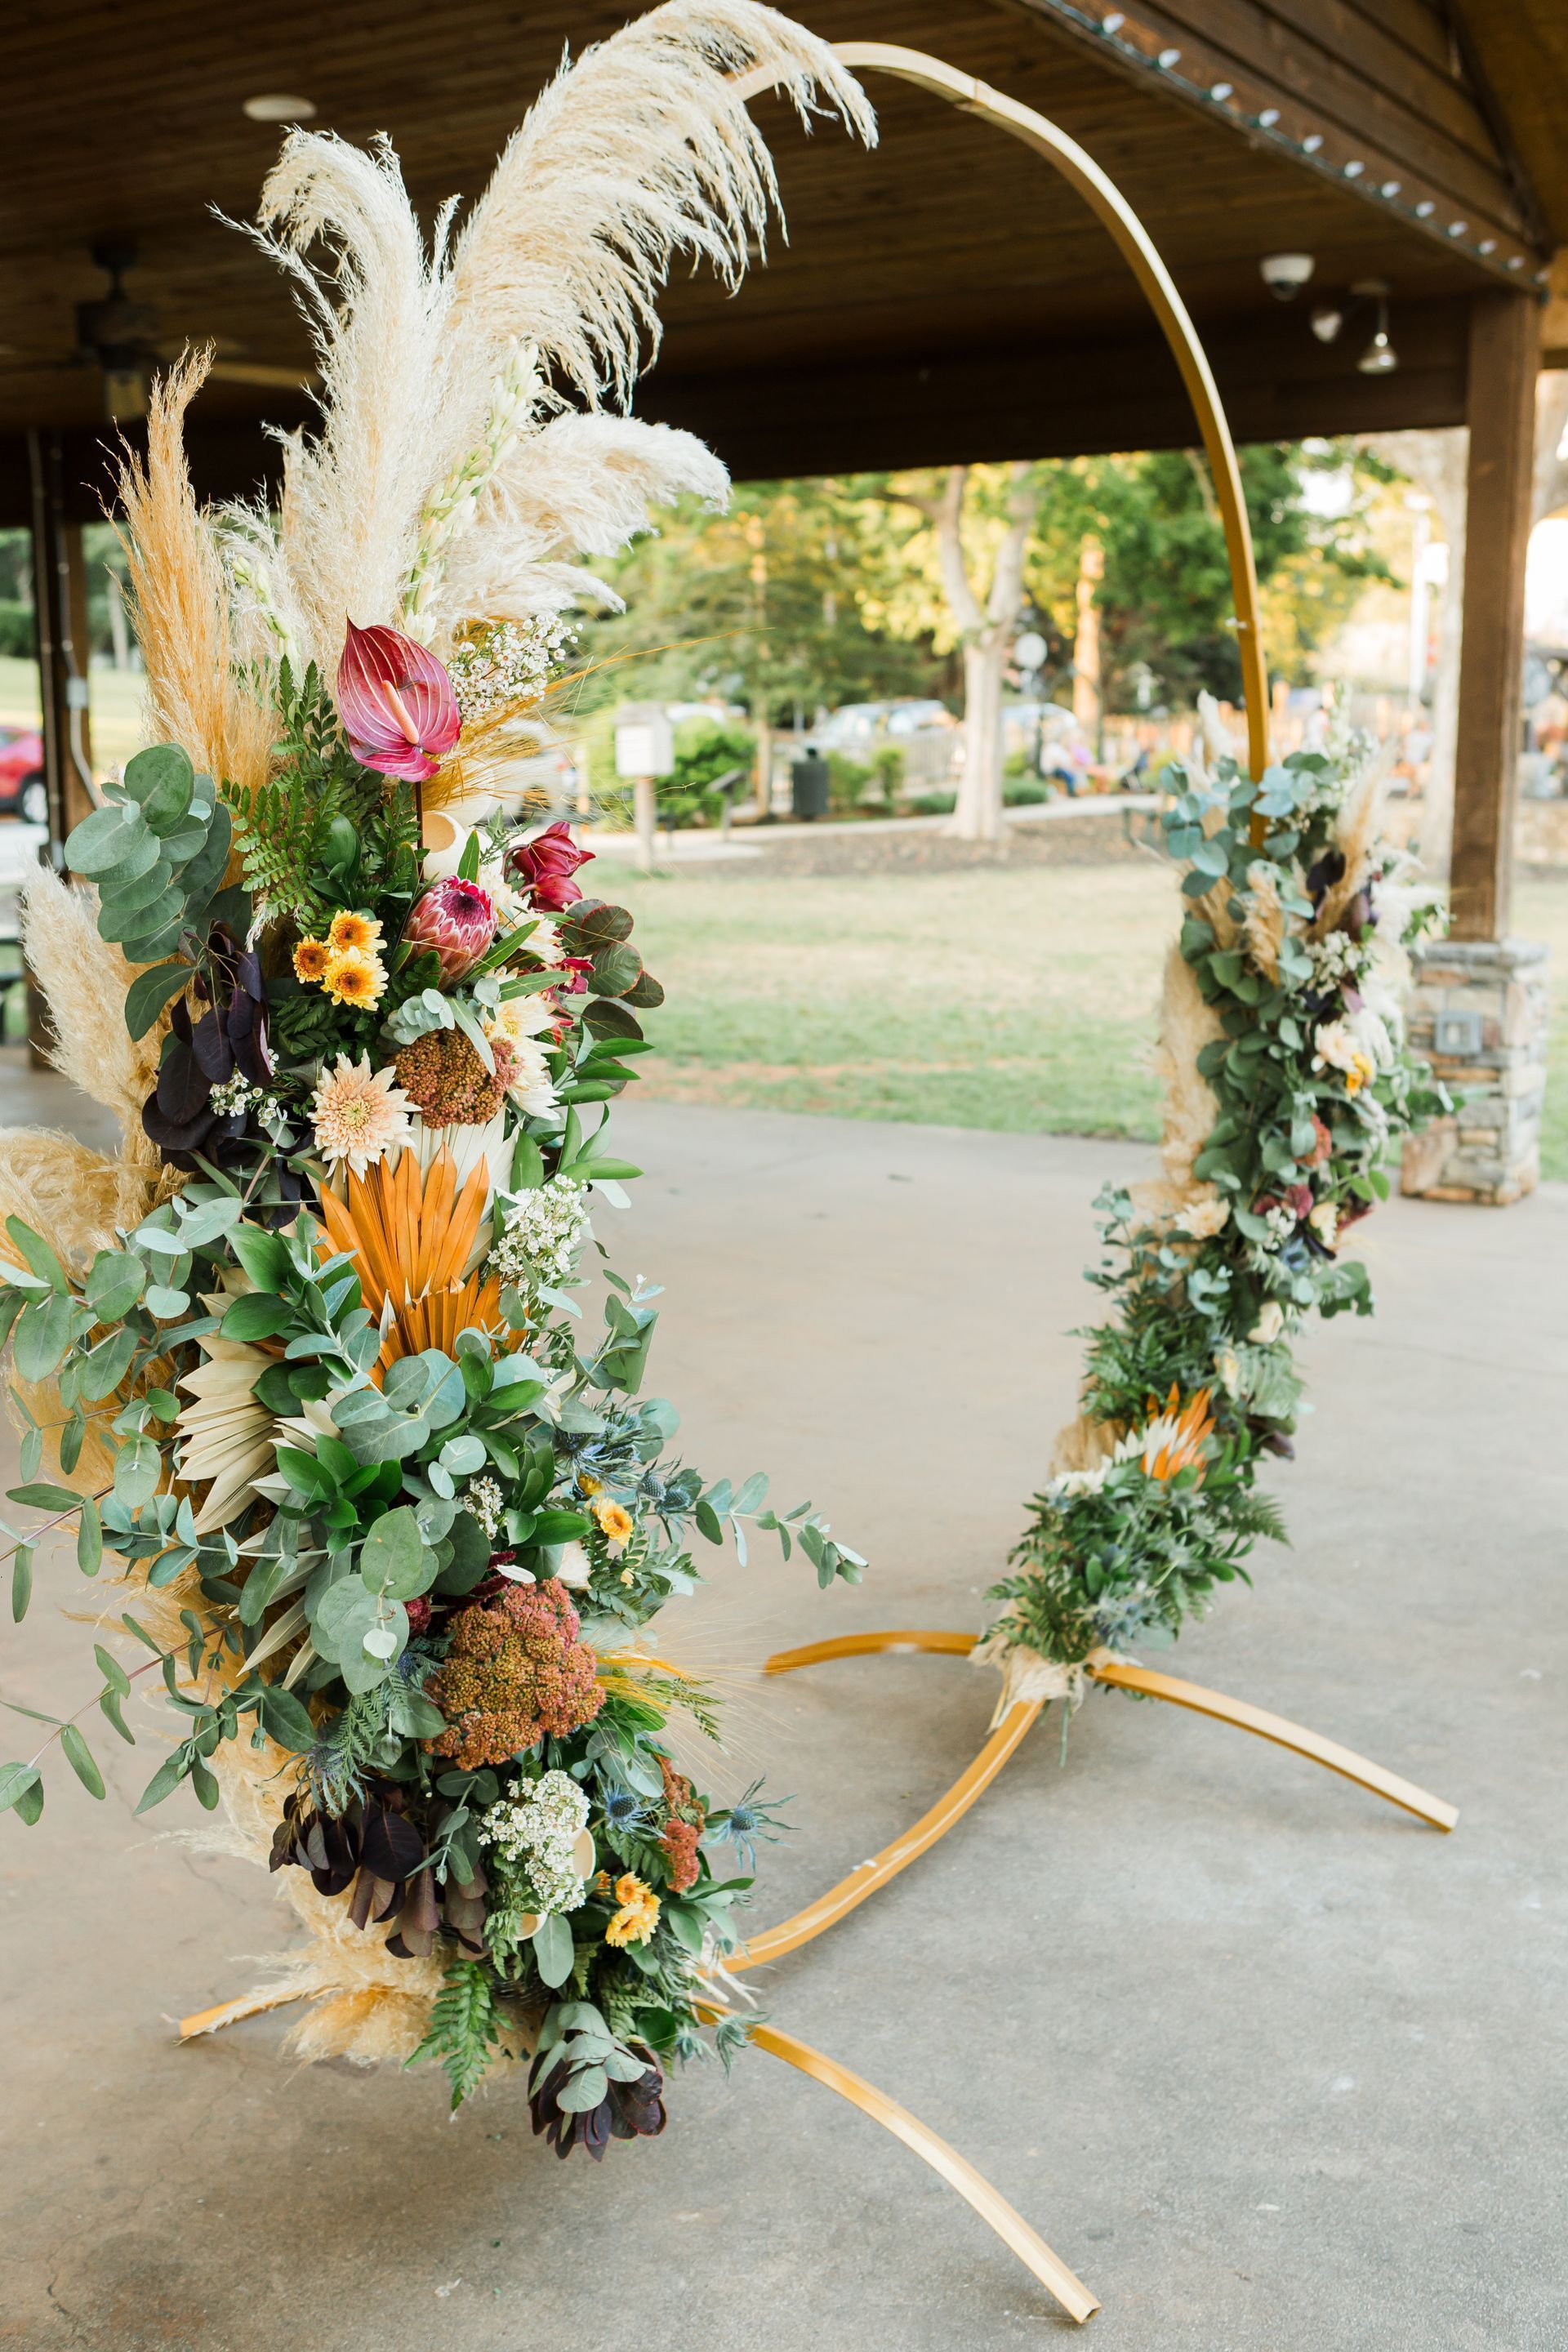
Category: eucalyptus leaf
[553,1953]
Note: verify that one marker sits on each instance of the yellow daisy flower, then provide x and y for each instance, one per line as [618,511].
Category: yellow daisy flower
[616,1524]
[638,1917]
[352,931]
[352,977]
[312,958]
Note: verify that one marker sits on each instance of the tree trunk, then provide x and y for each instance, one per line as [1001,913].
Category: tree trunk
[987,631]
[977,815]
[765,768]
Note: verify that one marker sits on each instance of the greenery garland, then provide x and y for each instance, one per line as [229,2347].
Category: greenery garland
[1288,1084]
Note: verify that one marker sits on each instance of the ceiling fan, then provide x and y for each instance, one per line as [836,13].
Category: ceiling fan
[123,339]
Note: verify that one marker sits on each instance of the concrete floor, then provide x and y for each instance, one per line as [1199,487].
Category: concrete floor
[1272,2066]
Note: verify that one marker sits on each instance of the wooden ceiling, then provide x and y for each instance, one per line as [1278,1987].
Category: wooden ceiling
[945,296]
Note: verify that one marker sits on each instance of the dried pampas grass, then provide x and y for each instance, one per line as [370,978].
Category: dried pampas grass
[85,979]
[195,696]
[70,1195]
[1084,1444]
[640,152]
[582,485]
[1263,926]
[1189,1108]
[1354,835]
[441,366]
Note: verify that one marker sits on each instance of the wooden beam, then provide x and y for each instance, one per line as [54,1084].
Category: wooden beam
[1314,81]
[1024,399]
[1505,350]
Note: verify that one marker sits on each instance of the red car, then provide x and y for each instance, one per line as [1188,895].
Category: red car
[22,791]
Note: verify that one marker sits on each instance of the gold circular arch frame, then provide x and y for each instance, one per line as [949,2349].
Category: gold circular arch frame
[1111,208]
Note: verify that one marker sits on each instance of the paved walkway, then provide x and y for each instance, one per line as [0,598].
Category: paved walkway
[1276,2069]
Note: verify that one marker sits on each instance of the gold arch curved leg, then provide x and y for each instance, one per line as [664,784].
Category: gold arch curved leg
[995,2210]
[840,1900]
[1118,1675]
[956,2171]
[230,2013]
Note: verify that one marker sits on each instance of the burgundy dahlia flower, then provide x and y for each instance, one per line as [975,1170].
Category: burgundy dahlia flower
[396,704]
[457,922]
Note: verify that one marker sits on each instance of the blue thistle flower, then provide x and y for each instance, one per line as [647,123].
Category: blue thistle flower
[746,1821]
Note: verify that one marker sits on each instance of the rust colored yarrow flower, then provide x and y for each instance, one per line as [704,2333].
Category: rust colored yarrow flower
[683,1831]
[515,1671]
[678,1845]
[454,920]
[447,1083]
[396,704]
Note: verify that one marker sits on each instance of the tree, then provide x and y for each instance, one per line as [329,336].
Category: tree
[985,621]
[779,604]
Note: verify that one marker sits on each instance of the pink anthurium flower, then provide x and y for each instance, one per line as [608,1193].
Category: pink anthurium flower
[396,703]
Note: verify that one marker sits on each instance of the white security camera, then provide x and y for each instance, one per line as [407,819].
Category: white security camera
[1285,274]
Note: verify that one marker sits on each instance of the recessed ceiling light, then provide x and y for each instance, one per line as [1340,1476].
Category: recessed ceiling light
[276,105]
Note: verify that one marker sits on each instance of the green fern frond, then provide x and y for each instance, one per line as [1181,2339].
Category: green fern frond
[463,2028]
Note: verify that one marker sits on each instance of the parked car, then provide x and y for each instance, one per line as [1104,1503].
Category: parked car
[22,791]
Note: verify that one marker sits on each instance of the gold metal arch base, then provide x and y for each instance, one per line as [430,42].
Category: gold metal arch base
[995,2210]
[1116,1673]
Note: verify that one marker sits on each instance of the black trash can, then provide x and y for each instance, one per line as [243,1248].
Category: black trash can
[808,787]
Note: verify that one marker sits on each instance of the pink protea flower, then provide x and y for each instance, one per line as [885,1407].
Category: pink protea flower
[396,704]
[458,919]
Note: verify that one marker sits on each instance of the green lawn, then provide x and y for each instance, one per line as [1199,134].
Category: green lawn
[1018,1000]
[1021,999]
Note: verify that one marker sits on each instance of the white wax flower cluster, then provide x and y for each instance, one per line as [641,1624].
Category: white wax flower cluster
[512,661]
[537,1828]
[543,1232]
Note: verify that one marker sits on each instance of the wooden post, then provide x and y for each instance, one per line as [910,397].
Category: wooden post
[59,595]
[59,607]
[644,808]
[1504,331]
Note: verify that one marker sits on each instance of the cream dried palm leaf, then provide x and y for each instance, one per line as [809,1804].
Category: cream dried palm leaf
[225,1434]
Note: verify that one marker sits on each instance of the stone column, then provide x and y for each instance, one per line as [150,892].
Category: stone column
[1479,1014]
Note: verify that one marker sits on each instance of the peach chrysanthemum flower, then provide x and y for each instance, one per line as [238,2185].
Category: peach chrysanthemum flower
[352,977]
[312,958]
[359,1115]
[354,930]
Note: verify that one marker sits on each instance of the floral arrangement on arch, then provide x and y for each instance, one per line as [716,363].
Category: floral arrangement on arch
[307,1358]
[1287,1083]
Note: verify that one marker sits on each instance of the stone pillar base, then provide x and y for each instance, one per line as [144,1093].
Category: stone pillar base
[1477,1015]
